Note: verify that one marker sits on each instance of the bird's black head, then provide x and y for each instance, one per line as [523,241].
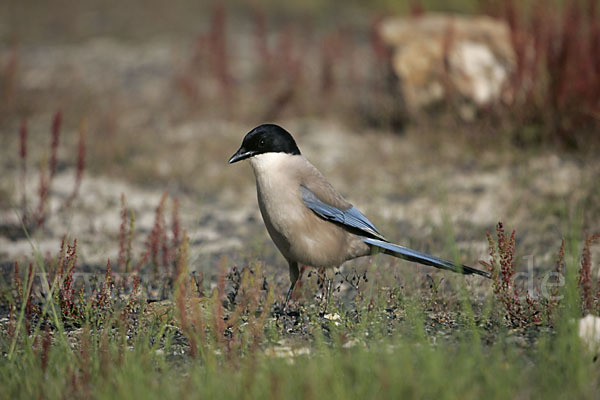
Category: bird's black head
[267,138]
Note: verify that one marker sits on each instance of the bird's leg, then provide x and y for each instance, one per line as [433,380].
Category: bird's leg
[294,273]
[289,295]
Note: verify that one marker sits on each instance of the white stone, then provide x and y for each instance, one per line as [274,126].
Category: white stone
[589,332]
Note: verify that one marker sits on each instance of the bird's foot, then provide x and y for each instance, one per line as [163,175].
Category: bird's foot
[285,310]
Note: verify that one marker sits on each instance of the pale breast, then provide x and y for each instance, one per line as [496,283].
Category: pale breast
[299,234]
[278,196]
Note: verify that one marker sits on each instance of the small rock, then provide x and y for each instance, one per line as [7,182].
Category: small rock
[437,55]
[332,317]
[589,332]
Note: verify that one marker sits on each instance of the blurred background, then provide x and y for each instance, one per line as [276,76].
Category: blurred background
[436,118]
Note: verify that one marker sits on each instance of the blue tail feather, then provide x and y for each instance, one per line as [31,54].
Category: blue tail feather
[422,258]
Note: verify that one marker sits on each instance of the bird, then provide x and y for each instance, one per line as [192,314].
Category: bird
[309,221]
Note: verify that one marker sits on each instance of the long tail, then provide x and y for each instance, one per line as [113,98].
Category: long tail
[422,258]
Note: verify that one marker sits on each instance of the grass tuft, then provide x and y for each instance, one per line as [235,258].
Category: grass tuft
[538,305]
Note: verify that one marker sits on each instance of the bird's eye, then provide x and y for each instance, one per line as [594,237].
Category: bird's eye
[261,143]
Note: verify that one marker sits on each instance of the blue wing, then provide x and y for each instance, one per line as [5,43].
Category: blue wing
[355,222]
[351,218]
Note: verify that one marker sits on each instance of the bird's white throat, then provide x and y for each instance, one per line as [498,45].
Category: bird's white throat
[270,163]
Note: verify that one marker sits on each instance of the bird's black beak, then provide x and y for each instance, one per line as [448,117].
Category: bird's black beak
[240,155]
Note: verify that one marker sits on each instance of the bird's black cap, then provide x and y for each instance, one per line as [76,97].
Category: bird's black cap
[266,138]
